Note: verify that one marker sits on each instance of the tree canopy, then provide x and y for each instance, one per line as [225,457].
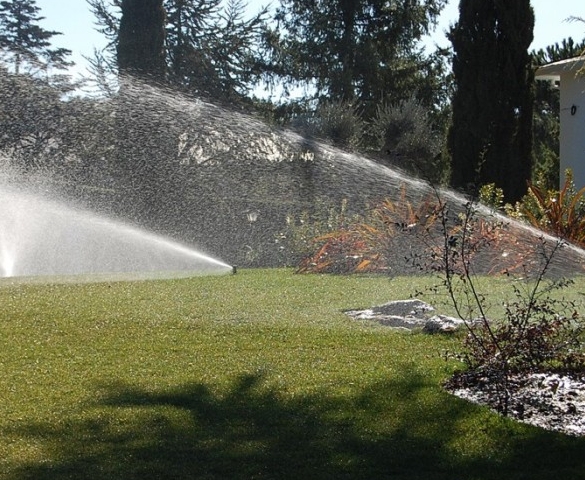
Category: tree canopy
[208,45]
[362,51]
[23,42]
[141,38]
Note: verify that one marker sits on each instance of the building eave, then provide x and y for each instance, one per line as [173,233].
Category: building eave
[553,71]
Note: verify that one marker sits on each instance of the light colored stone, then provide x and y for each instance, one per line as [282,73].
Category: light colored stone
[411,314]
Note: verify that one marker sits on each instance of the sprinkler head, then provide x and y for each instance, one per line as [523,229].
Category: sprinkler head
[234,269]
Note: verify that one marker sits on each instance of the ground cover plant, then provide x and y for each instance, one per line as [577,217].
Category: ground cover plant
[404,237]
[255,375]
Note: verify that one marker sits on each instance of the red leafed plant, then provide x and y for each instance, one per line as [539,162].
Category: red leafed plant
[398,237]
[560,213]
[370,244]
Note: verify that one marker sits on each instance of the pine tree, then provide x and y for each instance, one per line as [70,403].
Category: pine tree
[209,44]
[490,140]
[360,51]
[23,42]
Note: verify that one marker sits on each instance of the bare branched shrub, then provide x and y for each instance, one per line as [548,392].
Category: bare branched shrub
[538,332]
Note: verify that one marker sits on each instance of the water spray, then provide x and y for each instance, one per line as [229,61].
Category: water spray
[230,164]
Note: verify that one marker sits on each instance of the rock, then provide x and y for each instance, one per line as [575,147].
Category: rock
[443,324]
[409,314]
[412,308]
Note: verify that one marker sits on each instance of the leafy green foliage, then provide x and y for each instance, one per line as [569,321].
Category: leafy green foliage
[491,196]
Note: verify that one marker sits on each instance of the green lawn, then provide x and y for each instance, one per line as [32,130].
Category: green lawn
[257,375]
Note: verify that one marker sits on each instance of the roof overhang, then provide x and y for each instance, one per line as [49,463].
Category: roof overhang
[553,71]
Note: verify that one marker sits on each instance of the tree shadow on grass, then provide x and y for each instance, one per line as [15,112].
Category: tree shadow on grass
[251,431]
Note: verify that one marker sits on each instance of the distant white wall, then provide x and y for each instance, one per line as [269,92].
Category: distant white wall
[572,137]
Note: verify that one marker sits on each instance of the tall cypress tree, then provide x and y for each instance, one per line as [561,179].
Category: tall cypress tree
[490,140]
[141,38]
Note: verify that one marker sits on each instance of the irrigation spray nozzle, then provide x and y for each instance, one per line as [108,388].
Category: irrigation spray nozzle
[234,269]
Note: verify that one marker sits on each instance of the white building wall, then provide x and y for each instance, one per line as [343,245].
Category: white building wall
[572,136]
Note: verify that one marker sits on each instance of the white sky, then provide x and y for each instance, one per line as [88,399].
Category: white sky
[74,20]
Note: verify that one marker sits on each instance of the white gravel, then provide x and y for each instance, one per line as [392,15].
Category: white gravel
[550,401]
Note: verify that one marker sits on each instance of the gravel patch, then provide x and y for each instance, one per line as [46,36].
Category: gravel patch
[547,400]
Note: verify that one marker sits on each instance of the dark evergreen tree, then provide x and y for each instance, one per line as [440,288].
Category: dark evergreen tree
[141,38]
[23,42]
[361,51]
[190,23]
[211,46]
[490,140]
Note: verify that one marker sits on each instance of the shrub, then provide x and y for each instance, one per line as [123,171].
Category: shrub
[405,134]
[370,243]
[338,122]
[400,237]
[491,196]
[537,333]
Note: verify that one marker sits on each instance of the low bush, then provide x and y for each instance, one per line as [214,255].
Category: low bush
[405,134]
[401,237]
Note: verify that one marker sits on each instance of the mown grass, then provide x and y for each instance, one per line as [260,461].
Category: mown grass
[256,375]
